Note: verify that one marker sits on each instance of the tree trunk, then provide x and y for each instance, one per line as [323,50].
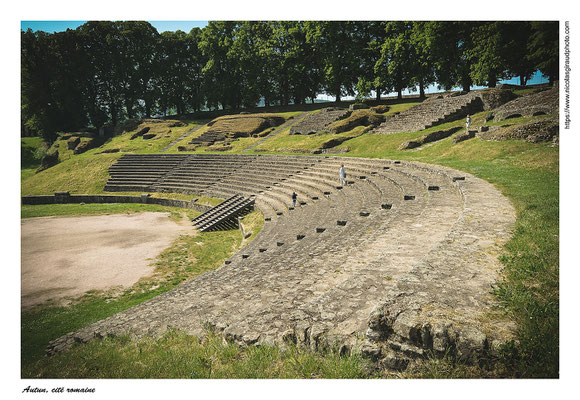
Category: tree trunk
[114,114]
[129,107]
[378,94]
[399,94]
[492,80]
[466,83]
[421,91]
[147,109]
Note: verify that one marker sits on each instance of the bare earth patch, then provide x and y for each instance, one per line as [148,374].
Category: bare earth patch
[65,257]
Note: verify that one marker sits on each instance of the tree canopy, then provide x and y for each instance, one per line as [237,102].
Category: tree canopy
[105,72]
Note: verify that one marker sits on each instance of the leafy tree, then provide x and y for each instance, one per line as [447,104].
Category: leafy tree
[543,48]
[220,71]
[179,71]
[336,50]
[36,77]
[395,62]
[256,62]
[488,64]
[451,44]
[102,45]
[421,63]
[299,70]
[371,35]
[515,38]
[139,46]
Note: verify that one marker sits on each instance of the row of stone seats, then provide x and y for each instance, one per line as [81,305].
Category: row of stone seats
[314,270]
[298,251]
[328,304]
[431,112]
[138,172]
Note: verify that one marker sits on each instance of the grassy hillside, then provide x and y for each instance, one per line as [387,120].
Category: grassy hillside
[526,173]
[32,149]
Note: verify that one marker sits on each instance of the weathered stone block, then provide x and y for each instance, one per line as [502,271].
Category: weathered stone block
[141,132]
[73,142]
[410,144]
[394,362]
[371,352]
[470,344]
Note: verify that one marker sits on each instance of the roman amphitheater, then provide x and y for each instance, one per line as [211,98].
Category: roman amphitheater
[397,262]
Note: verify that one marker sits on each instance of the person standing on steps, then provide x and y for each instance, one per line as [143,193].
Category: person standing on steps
[467,123]
[342,175]
[294,196]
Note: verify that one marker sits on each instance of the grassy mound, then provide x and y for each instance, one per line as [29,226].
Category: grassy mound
[357,118]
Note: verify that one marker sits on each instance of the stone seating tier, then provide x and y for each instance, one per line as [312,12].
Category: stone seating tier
[369,265]
[432,112]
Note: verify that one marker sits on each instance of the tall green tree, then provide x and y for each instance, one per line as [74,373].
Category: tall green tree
[36,77]
[515,38]
[338,54]
[102,44]
[138,54]
[395,62]
[451,44]
[421,40]
[543,48]
[370,37]
[488,65]
[222,83]
[299,70]
[179,71]
[256,62]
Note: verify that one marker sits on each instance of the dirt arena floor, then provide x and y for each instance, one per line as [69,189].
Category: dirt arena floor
[67,256]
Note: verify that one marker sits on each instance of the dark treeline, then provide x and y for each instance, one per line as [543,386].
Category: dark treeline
[104,72]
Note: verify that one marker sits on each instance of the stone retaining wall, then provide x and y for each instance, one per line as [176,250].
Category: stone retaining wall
[67,198]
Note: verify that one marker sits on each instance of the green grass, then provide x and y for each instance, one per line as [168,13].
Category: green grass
[82,174]
[45,210]
[140,145]
[179,356]
[286,143]
[400,107]
[237,145]
[32,149]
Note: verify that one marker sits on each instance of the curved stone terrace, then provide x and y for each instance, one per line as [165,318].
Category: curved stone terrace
[397,263]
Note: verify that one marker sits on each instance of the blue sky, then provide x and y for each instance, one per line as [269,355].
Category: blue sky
[58,26]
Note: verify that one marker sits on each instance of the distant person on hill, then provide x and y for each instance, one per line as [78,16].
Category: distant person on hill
[342,174]
[467,123]
[294,196]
